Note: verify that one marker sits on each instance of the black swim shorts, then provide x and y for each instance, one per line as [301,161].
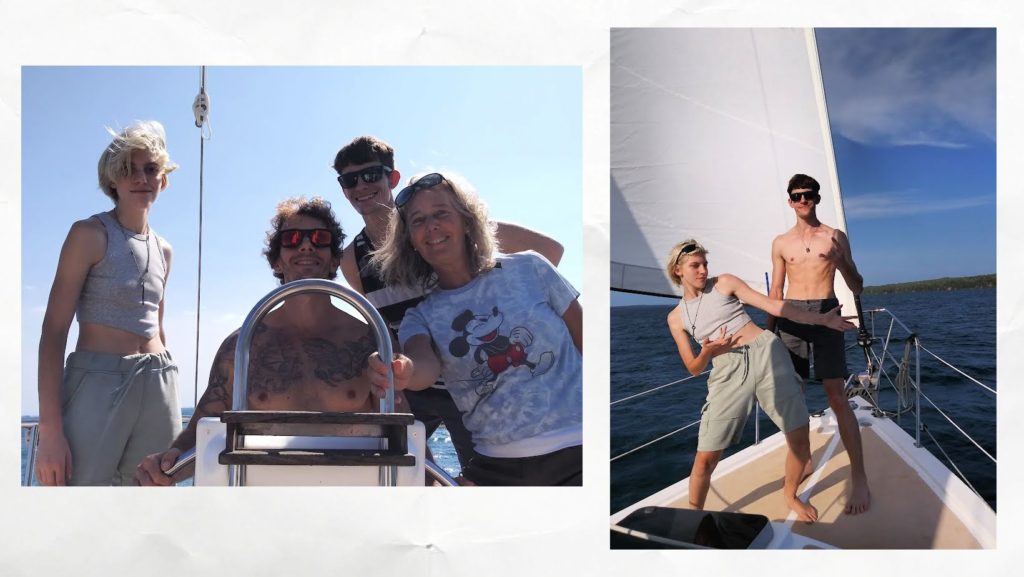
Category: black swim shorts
[829,345]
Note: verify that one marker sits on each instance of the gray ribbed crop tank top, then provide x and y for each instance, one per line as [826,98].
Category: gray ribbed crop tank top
[112,294]
[710,312]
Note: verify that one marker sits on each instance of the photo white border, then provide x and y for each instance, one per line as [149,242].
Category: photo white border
[479,531]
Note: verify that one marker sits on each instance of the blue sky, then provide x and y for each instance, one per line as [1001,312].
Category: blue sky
[913,120]
[514,132]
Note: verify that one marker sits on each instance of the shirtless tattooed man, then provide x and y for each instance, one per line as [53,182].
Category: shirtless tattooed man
[806,258]
[305,355]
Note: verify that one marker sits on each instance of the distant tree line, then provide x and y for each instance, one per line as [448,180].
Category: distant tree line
[939,284]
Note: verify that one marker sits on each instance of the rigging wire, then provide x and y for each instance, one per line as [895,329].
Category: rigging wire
[201,111]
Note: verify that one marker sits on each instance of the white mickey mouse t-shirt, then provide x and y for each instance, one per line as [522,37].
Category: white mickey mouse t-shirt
[507,357]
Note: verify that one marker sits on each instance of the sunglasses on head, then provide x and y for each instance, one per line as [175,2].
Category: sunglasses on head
[809,195]
[427,181]
[687,249]
[368,175]
[318,237]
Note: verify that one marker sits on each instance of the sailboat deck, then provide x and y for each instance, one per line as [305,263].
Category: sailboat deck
[906,510]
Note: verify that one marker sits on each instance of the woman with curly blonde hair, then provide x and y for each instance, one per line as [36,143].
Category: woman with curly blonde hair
[116,400]
[505,332]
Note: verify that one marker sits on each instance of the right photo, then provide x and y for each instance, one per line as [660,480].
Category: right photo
[803,277]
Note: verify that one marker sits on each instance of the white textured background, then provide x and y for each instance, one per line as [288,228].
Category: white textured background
[480,532]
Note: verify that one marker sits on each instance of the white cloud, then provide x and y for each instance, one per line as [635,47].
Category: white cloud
[904,203]
[894,87]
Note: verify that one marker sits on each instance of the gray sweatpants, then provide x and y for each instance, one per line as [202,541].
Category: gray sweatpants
[116,411]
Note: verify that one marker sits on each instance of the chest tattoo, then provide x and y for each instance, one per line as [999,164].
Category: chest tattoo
[334,364]
[275,364]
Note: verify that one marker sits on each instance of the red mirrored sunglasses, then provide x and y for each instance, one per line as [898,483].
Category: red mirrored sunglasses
[318,237]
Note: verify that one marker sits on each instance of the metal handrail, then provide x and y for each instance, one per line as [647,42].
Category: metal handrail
[184,459]
[31,429]
[431,468]
[30,468]
[240,398]
[240,391]
[439,474]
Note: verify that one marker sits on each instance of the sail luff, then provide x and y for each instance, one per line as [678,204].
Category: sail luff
[842,291]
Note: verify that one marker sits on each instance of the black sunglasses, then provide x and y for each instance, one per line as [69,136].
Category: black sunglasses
[687,249]
[809,195]
[318,237]
[427,181]
[368,175]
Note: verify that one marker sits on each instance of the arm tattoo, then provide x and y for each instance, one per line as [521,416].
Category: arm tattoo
[217,397]
[334,364]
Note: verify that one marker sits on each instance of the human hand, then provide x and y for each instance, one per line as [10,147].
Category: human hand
[53,460]
[150,472]
[402,367]
[833,319]
[721,344]
[837,255]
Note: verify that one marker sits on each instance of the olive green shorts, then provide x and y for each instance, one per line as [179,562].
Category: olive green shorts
[116,411]
[760,369]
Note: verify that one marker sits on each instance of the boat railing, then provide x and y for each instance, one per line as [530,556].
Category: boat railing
[884,370]
[30,431]
[30,440]
[648,392]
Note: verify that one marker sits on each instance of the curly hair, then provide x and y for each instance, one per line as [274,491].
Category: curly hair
[399,264]
[315,207]
[675,254]
[116,160]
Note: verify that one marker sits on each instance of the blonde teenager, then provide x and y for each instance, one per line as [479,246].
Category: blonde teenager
[748,363]
[115,399]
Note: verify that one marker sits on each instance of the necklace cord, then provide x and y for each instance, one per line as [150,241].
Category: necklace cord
[693,321]
[135,260]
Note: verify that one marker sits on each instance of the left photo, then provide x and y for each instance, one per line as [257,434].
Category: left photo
[301,276]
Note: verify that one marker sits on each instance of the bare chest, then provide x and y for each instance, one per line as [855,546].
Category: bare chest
[309,373]
[807,251]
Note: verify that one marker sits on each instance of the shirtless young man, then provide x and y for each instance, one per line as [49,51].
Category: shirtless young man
[367,175]
[806,257]
[305,355]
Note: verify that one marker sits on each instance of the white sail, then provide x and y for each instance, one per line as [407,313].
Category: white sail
[707,127]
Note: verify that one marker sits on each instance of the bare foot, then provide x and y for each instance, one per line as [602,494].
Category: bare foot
[804,511]
[860,499]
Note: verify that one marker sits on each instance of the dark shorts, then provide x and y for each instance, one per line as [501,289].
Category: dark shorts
[829,346]
[434,406]
[562,467]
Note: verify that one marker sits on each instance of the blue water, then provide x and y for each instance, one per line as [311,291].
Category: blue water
[958,326]
[440,444]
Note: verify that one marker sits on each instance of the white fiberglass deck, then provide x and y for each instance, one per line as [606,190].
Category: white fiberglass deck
[916,503]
